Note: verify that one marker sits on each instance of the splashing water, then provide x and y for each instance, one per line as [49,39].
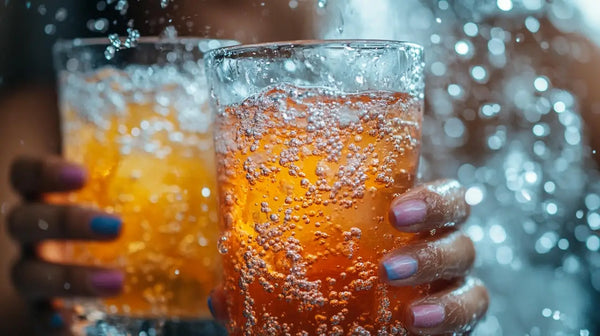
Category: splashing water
[512,132]
[116,44]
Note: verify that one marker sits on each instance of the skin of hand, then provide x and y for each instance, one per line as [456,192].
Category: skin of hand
[33,221]
[434,211]
[443,257]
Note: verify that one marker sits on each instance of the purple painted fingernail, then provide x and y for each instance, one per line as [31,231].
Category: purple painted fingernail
[107,283]
[428,316]
[400,267]
[72,176]
[408,213]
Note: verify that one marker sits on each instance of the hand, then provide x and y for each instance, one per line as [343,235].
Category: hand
[34,221]
[444,256]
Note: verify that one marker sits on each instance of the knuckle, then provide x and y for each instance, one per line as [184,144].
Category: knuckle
[63,216]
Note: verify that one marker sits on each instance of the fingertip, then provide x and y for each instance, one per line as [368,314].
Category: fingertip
[32,176]
[405,214]
[72,176]
[217,305]
[107,282]
[57,321]
[106,226]
[427,315]
[210,306]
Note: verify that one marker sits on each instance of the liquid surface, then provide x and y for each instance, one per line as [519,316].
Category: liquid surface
[145,138]
[306,178]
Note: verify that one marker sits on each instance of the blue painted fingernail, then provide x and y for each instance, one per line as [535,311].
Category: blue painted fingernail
[106,225]
[56,321]
[210,306]
[400,267]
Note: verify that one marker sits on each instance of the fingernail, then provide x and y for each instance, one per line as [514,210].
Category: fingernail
[56,321]
[210,307]
[72,176]
[408,213]
[428,316]
[107,282]
[106,225]
[400,267]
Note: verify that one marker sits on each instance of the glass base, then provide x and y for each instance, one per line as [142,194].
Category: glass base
[126,326]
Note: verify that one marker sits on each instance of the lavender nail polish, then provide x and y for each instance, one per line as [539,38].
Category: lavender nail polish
[72,176]
[408,213]
[107,282]
[428,316]
[400,267]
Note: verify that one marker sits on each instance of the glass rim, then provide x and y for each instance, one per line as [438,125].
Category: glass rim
[241,49]
[70,44]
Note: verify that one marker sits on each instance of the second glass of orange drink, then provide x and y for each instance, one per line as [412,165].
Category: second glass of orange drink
[314,139]
[140,122]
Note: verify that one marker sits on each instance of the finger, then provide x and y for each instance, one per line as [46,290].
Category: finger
[38,280]
[35,222]
[448,257]
[454,310]
[51,322]
[430,206]
[30,176]
[217,304]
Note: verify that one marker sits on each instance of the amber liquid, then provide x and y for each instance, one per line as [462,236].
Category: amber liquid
[306,178]
[146,166]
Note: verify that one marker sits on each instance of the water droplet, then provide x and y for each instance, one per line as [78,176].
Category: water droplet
[505,5]
[164,3]
[222,245]
[322,3]
[122,6]
[42,10]
[109,53]
[114,40]
[532,24]
[471,29]
[541,83]
[61,14]
[50,29]
[43,225]
[462,47]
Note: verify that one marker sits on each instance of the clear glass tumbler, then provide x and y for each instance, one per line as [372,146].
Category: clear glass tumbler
[314,139]
[140,123]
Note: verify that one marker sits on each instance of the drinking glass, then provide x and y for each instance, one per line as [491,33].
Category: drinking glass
[140,123]
[314,139]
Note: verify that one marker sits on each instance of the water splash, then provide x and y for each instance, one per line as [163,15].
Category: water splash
[116,44]
[489,90]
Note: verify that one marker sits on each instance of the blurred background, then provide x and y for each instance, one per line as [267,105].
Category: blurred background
[513,108]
